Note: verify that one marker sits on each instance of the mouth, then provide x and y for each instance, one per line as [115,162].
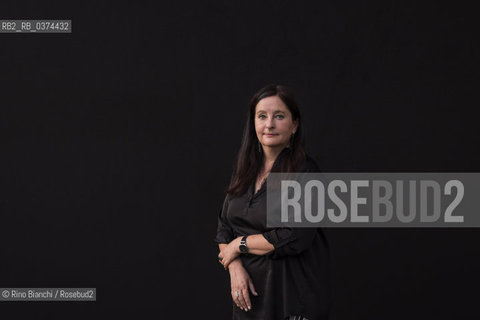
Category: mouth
[270,134]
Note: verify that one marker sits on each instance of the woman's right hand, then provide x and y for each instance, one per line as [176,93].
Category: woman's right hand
[241,282]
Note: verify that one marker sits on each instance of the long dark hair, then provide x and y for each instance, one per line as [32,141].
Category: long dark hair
[250,158]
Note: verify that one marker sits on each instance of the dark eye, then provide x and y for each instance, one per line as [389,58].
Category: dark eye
[279,116]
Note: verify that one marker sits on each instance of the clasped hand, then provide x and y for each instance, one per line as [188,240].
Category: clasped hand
[230,252]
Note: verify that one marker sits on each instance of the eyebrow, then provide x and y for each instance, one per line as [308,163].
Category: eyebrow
[274,112]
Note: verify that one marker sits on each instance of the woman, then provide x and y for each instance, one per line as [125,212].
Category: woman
[275,273]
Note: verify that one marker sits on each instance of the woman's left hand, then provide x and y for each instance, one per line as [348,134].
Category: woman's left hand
[229,252]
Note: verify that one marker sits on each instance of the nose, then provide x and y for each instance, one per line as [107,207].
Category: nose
[270,123]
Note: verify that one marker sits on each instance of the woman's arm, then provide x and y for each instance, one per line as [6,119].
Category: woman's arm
[256,243]
[240,283]
[224,230]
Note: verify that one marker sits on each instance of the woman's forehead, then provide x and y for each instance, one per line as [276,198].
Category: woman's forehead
[271,104]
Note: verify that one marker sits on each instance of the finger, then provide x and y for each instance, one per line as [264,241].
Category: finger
[252,287]
[246,297]
[241,300]
[236,298]
[225,262]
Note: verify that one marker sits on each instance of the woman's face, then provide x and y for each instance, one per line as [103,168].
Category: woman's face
[273,123]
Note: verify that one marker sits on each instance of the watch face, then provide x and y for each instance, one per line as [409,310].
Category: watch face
[243,248]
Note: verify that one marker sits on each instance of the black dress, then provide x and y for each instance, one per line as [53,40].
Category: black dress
[291,280]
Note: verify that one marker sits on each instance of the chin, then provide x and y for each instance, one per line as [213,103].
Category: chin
[273,145]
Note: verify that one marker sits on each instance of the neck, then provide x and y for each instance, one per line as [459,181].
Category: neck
[271,155]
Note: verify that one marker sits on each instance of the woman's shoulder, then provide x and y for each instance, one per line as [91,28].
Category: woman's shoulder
[309,165]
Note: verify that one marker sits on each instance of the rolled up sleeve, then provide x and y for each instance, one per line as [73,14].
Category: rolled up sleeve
[224,230]
[292,241]
[289,241]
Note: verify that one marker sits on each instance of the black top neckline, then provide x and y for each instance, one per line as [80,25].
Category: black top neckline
[251,190]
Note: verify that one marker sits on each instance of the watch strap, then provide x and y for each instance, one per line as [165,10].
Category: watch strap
[243,245]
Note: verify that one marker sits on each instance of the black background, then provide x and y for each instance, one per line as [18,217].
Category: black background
[117,142]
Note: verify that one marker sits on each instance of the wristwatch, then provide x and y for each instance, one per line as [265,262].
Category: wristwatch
[243,245]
